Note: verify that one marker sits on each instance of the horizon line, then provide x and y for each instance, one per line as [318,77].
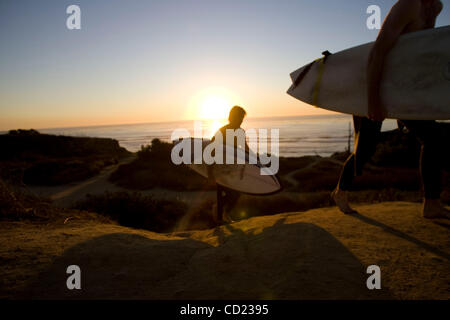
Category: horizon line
[187,120]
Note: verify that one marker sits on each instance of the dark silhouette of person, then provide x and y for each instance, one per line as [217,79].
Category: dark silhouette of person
[405,16]
[227,198]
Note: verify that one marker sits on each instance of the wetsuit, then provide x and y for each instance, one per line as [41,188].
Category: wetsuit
[226,198]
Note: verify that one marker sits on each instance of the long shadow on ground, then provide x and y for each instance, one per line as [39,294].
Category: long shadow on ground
[284,261]
[405,236]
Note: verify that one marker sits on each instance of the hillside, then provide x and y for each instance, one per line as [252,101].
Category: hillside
[317,254]
[33,158]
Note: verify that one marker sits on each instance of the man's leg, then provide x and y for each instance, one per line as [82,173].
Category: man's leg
[430,137]
[230,200]
[366,138]
[340,194]
[220,204]
[345,182]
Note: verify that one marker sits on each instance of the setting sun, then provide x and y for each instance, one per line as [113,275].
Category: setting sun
[212,104]
[214,107]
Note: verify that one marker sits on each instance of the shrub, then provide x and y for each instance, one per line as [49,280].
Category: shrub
[57,172]
[15,204]
[154,168]
[135,210]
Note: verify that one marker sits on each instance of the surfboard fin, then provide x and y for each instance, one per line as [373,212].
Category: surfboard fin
[302,74]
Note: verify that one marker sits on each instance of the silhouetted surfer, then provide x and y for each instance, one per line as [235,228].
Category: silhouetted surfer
[227,198]
[405,16]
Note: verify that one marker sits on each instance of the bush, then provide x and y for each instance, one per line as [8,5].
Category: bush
[397,149]
[288,165]
[250,206]
[57,172]
[154,168]
[18,205]
[135,210]
[321,176]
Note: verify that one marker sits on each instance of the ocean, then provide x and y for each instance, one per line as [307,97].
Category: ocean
[298,136]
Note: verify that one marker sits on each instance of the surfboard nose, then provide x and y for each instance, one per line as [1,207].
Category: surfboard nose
[294,76]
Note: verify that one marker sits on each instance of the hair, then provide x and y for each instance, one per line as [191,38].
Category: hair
[237,112]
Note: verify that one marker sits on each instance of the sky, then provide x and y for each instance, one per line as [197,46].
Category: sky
[142,61]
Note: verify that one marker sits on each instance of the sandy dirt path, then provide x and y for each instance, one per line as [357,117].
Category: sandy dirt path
[290,177]
[68,195]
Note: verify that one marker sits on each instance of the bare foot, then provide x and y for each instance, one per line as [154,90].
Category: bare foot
[341,199]
[433,209]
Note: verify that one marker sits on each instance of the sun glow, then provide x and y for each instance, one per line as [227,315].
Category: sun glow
[211,106]
[212,127]
[212,103]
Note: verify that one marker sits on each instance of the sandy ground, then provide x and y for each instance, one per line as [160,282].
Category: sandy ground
[318,254]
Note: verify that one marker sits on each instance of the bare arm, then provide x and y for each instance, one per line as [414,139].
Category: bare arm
[401,15]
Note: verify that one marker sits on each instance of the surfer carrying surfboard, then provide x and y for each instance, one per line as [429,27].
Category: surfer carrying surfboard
[227,198]
[405,16]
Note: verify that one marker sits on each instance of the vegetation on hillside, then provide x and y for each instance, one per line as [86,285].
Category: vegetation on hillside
[153,168]
[145,212]
[41,159]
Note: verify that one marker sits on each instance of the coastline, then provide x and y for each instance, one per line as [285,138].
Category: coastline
[303,135]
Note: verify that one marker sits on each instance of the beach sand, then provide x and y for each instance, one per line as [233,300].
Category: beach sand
[317,254]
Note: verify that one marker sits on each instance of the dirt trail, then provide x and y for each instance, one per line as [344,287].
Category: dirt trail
[66,195]
[290,177]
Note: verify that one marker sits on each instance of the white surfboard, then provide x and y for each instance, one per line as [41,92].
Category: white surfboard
[415,83]
[245,178]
